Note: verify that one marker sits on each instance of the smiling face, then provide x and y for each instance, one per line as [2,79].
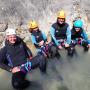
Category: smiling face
[77,29]
[61,20]
[11,39]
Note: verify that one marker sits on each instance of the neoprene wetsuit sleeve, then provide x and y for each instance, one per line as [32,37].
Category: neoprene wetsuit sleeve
[85,36]
[52,32]
[68,33]
[44,36]
[3,60]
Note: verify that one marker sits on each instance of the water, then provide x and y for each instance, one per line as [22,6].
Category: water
[63,74]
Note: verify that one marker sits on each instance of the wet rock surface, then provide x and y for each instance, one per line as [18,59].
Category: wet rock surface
[64,74]
[17,13]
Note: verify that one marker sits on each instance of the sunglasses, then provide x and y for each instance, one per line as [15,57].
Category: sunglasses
[77,27]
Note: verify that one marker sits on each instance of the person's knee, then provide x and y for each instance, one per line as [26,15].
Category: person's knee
[17,79]
[39,61]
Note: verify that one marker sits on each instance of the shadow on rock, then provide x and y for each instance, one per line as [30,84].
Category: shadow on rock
[35,86]
[62,88]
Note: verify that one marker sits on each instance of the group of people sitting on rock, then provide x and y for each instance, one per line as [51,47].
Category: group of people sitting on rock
[17,58]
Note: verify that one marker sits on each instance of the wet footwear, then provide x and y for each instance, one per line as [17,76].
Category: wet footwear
[70,51]
[86,48]
[25,85]
[85,45]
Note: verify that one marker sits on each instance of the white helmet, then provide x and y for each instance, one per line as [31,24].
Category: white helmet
[10,31]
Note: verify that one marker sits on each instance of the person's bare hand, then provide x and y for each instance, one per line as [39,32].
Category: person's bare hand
[60,47]
[15,69]
[66,45]
[89,45]
[41,43]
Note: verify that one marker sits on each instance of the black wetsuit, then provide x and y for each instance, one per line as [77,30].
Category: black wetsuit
[15,55]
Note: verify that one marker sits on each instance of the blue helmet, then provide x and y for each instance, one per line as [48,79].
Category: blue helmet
[78,23]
